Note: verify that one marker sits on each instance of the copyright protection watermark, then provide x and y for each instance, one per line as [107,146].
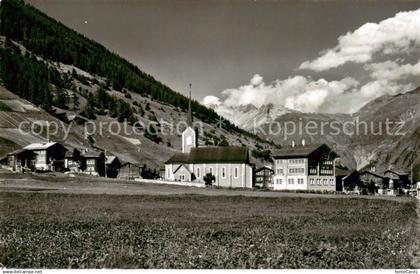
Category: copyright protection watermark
[353,127]
[282,130]
[406,271]
[21,271]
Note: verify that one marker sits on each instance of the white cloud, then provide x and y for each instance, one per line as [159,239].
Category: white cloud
[391,70]
[298,93]
[400,33]
[399,36]
[302,94]
[256,80]
[211,101]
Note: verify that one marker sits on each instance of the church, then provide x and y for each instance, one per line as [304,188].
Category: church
[230,165]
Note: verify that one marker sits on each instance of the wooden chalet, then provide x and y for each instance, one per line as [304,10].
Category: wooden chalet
[129,171]
[113,165]
[48,156]
[263,177]
[95,163]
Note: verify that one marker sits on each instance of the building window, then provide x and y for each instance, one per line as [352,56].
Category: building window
[279,171]
[297,161]
[332,182]
[324,181]
[318,181]
[312,181]
[223,172]
[296,170]
[291,181]
[236,172]
[198,172]
[313,171]
[300,181]
[279,181]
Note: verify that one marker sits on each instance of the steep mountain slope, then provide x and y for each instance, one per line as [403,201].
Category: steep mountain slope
[249,116]
[361,139]
[53,74]
[394,140]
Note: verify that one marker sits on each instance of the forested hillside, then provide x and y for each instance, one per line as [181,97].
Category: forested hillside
[45,37]
[69,75]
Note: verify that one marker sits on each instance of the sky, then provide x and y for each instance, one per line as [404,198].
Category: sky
[311,56]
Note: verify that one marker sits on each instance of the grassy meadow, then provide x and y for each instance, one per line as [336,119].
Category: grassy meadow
[40,230]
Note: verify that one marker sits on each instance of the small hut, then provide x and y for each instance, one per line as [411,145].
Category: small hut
[129,171]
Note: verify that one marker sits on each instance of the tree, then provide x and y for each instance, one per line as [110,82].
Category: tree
[46,100]
[76,102]
[223,142]
[61,99]
[101,98]
[152,134]
[141,111]
[89,111]
[209,179]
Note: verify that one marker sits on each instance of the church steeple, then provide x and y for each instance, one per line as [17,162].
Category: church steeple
[189,117]
[189,138]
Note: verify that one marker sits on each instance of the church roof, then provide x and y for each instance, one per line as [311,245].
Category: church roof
[212,155]
[179,158]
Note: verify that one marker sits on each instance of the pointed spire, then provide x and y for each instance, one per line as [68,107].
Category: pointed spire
[190,117]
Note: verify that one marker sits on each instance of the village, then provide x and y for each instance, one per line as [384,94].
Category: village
[298,167]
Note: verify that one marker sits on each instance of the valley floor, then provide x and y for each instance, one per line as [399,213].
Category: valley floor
[50,223]
[99,185]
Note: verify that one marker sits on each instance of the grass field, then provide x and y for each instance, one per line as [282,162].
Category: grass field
[190,231]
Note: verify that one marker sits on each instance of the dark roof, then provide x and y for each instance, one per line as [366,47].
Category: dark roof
[342,171]
[297,151]
[93,154]
[396,172]
[264,167]
[186,167]
[371,173]
[110,159]
[16,152]
[129,164]
[20,151]
[179,158]
[212,155]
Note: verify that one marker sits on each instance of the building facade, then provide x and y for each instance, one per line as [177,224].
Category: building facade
[129,171]
[48,156]
[304,167]
[73,161]
[230,166]
[21,160]
[264,177]
[94,163]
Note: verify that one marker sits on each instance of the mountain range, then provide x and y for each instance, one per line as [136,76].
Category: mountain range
[51,74]
[372,145]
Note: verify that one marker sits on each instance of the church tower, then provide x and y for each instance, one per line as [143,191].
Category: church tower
[189,138]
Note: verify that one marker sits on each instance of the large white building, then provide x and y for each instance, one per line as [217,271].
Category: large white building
[230,166]
[304,167]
